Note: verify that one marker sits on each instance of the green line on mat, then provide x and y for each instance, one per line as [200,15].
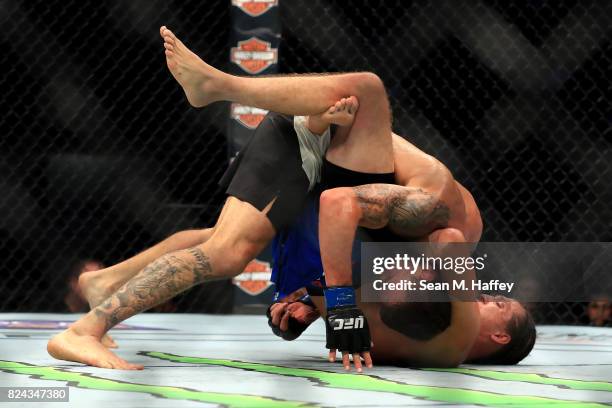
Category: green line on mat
[530,378]
[91,382]
[363,382]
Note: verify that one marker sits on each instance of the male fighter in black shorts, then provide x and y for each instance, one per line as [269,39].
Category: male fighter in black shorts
[253,212]
[245,225]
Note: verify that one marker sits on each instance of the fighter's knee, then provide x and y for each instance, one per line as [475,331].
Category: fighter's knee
[246,251]
[236,255]
[340,201]
[370,84]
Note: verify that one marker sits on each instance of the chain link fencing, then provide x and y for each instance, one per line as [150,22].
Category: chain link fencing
[101,156]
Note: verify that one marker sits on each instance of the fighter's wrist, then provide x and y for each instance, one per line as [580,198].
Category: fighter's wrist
[339,297]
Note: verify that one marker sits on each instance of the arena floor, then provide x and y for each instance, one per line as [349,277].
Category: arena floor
[235,361]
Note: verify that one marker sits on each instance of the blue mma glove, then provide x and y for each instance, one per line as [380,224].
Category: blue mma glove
[346,326]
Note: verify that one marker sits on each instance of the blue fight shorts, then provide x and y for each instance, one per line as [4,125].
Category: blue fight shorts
[296,253]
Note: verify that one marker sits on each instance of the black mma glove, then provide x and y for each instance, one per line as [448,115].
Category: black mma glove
[347,326]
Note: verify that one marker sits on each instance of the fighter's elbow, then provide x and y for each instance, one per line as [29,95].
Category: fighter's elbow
[339,202]
[450,235]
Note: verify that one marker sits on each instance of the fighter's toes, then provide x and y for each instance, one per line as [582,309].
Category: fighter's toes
[338,107]
[169,40]
[121,364]
[135,366]
[167,33]
[352,104]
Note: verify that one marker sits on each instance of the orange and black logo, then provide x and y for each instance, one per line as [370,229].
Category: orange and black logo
[255,279]
[254,55]
[248,116]
[255,8]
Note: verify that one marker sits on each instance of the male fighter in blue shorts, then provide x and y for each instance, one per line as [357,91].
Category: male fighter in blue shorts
[487,331]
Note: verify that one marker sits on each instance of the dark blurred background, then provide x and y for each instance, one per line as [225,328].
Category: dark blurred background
[101,156]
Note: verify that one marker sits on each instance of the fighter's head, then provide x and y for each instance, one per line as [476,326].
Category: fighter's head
[507,332]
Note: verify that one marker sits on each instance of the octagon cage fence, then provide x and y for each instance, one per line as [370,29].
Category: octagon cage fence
[101,156]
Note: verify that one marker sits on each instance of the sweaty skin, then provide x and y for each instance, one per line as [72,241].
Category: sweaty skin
[454,203]
[443,350]
[472,323]
[414,168]
[428,205]
[425,198]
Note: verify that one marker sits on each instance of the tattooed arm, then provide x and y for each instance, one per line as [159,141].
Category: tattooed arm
[407,211]
[161,280]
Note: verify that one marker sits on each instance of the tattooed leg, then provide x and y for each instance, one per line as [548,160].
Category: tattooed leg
[407,211]
[96,286]
[161,280]
[239,236]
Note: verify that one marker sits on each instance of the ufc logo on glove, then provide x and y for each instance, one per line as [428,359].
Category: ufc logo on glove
[347,324]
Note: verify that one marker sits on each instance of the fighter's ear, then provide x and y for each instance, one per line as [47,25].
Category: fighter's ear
[501,338]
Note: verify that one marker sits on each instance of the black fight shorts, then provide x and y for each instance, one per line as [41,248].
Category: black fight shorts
[269,168]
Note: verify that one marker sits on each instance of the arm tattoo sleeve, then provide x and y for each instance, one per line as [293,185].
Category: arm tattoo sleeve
[407,211]
[159,281]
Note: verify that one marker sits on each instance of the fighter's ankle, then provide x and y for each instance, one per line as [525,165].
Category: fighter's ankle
[77,329]
[230,87]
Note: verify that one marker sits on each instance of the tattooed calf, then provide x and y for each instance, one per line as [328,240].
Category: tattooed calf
[159,281]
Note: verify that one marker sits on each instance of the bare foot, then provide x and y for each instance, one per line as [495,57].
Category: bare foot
[95,290]
[196,77]
[343,112]
[70,346]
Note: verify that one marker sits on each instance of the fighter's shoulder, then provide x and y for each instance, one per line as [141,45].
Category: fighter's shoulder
[473,219]
[403,148]
[401,145]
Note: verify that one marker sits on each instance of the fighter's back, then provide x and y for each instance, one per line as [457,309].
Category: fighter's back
[415,168]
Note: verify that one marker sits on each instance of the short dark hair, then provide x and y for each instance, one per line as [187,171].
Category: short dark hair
[522,332]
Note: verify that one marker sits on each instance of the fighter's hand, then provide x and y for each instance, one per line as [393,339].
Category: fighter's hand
[347,328]
[278,318]
[357,359]
[289,320]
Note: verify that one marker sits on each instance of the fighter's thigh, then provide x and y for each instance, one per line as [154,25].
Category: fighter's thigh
[367,146]
[238,237]
[222,214]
